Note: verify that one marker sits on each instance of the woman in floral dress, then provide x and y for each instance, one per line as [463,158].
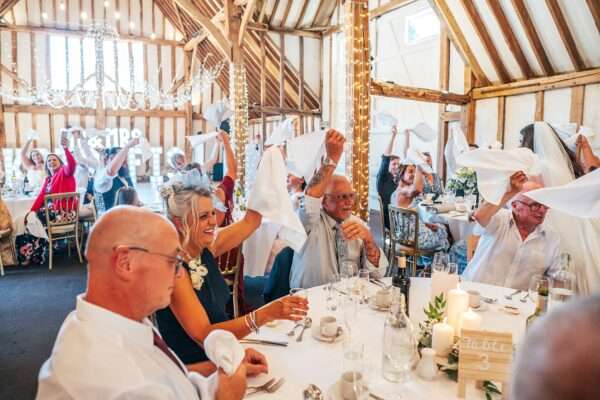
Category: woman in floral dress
[200,293]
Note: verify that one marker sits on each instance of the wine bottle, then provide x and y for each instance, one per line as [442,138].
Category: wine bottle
[542,301]
[401,279]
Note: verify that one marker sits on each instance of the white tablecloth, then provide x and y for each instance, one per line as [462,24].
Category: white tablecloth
[19,206]
[459,224]
[312,361]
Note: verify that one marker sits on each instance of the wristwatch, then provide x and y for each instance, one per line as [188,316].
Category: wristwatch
[329,162]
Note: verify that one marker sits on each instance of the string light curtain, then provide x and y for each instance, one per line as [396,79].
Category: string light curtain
[359,102]
[238,89]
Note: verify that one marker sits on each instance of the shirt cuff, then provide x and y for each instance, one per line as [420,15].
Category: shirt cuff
[382,265]
[312,205]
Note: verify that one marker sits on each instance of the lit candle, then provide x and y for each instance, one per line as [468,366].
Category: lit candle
[470,320]
[458,303]
[442,338]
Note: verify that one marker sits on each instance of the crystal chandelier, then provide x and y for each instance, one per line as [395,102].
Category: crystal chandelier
[149,98]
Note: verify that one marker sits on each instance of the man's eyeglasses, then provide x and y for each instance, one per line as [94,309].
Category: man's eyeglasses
[535,206]
[343,196]
[177,260]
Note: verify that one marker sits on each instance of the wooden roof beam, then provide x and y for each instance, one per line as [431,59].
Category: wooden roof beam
[214,33]
[386,8]
[302,13]
[565,34]
[459,40]
[594,6]
[387,89]
[486,39]
[246,17]
[533,37]
[510,38]
[288,31]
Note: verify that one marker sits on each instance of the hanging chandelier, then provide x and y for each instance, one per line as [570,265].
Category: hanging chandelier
[117,98]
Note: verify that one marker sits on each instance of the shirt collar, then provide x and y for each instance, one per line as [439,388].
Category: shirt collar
[329,220]
[106,320]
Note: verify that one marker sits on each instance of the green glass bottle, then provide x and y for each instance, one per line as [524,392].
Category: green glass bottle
[542,301]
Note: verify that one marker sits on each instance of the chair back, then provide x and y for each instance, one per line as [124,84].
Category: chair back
[278,283]
[62,210]
[404,226]
[230,267]
[384,230]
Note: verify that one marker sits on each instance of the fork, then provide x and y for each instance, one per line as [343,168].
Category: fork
[510,296]
[276,386]
[260,388]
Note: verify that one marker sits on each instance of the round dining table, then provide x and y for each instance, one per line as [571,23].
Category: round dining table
[461,227]
[18,205]
[320,363]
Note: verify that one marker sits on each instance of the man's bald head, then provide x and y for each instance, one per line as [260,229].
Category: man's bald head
[132,257]
[560,358]
[527,187]
[338,184]
[527,212]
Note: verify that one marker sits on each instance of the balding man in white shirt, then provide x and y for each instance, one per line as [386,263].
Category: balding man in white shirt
[107,348]
[514,244]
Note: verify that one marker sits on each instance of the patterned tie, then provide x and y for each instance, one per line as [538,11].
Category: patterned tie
[158,342]
[340,245]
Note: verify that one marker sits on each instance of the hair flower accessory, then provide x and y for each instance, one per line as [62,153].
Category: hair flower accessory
[197,273]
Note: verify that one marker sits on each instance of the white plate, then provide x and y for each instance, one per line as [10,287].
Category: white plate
[315,331]
[374,306]
[335,392]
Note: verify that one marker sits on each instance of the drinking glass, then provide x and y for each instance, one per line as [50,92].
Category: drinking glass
[300,292]
[534,284]
[363,285]
[332,300]
[348,274]
[353,369]
[452,263]
[349,312]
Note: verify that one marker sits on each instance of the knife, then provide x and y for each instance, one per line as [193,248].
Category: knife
[265,342]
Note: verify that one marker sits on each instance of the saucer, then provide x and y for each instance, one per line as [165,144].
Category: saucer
[335,392]
[315,331]
[374,305]
[483,306]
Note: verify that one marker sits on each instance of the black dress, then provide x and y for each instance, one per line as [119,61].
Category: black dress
[214,295]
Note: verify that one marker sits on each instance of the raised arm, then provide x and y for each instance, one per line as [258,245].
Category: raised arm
[25,161]
[113,166]
[334,147]
[71,163]
[214,157]
[390,146]
[87,155]
[230,161]
[486,211]
[233,235]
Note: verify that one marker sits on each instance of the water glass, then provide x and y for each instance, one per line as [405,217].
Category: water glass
[534,284]
[300,292]
[332,299]
[349,312]
[363,285]
[354,379]
[348,275]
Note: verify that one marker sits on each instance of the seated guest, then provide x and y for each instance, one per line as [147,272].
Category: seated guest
[177,161]
[33,162]
[201,294]
[514,244]
[432,183]
[107,348]
[387,176]
[410,186]
[334,235]
[115,174]
[127,196]
[560,357]
[60,177]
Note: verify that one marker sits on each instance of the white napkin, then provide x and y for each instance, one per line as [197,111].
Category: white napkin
[457,144]
[414,156]
[580,198]
[201,139]
[33,135]
[224,350]
[386,119]
[282,133]
[34,226]
[568,133]
[257,248]
[424,132]
[304,154]
[145,148]
[495,167]
[270,198]
[218,112]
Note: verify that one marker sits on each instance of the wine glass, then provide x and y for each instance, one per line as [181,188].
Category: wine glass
[534,284]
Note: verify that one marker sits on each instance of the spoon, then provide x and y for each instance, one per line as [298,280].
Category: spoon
[307,324]
[313,392]
[292,332]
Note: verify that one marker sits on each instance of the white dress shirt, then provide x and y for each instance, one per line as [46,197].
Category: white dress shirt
[317,263]
[503,258]
[102,355]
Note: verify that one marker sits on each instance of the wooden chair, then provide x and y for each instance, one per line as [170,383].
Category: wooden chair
[62,221]
[86,222]
[6,237]
[385,232]
[404,235]
[230,267]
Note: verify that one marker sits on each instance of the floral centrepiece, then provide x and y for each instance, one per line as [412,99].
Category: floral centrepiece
[197,273]
[464,179]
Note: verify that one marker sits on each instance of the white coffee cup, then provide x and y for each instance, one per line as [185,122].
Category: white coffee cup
[474,298]
[348,382]
[328,326]
[383,298]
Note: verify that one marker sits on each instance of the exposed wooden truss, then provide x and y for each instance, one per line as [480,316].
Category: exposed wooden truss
[386,89]
[386,8]
[594,6]
[565,34]
[533,37]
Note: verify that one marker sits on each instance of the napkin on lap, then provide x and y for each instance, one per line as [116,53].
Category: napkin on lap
[270,198]
[495,167]
[579,198]
[224,350]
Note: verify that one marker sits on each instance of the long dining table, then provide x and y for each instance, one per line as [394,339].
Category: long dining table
[320,363]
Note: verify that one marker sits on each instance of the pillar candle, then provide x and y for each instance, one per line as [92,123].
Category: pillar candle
[442,282]
[442,338]
[458,303]
[470,320]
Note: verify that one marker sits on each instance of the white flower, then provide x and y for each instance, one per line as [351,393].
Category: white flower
[197,273]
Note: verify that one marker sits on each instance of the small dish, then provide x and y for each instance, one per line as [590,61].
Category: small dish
[335,391]
[482,307]
[315,332]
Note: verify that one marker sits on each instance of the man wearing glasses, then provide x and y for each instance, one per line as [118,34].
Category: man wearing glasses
[334,235]
[107,348]
[514,244]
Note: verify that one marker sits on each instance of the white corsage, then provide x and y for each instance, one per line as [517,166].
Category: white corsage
[197,273]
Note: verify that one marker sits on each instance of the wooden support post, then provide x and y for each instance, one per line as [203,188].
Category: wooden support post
[301,81]
[357,91]
[282,72]
[501,119]
[188,106]
[443,86]
[468,117]
[577,99]
[539,106]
